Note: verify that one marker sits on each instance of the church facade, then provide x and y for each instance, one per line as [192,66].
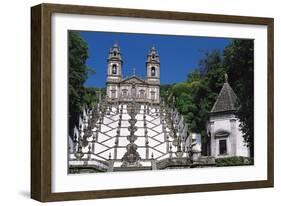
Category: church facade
[132,88]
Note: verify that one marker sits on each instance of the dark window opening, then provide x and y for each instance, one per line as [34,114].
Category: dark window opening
[114,69]
[222,147]
[152,71]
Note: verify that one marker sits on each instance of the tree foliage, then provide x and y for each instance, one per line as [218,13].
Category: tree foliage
[78,73]
[195,96]
[239,64]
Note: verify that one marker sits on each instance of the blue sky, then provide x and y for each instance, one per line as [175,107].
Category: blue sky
[178,54]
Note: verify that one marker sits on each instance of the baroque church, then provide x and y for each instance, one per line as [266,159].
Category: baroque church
[132,129]
[125,90]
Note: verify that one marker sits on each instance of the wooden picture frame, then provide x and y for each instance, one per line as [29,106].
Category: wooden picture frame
[41,116]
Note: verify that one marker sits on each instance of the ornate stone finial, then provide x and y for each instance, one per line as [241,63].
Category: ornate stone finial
[134,71]
[225,78]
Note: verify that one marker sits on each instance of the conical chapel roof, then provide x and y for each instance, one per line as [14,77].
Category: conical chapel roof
[226,100]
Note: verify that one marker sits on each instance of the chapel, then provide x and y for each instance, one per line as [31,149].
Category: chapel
[226,137]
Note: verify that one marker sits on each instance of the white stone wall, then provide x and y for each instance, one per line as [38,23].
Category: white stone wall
[234,141]
[242,148]
[109,89]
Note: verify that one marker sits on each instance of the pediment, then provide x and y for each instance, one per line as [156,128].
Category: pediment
[133,80]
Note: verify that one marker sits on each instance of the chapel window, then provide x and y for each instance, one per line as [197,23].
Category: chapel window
[222,147]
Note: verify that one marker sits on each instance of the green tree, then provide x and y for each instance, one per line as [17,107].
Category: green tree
[78,73]
[206,82]
[190,101]
[165,93]
[239,64]
[211,69]
[196,96]
[90,97]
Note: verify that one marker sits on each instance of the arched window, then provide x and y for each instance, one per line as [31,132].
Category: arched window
[153,71]
[114,53]
[125,93]
[142,94]
[114,69]
[113,94]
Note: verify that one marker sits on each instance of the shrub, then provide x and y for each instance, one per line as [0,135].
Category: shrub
[233,161]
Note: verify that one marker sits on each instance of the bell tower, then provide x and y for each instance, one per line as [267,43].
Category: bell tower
[114,72]
[114,64]
[153,67]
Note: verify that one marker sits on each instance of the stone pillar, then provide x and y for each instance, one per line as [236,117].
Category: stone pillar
[153,165]
[232,137]
[93,146]
[115,147]
[110,166]
[213,141]
[146,145]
